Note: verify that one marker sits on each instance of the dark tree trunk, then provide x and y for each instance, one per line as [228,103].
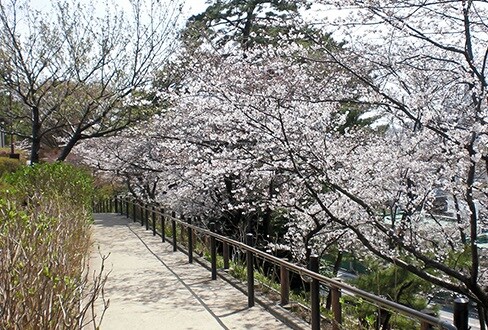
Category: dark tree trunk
[482,317]
[266,223]
[36,136]
[69,147]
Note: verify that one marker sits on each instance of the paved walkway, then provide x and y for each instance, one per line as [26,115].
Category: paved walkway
[151,287]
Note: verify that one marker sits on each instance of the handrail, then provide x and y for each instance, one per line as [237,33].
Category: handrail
[331,283]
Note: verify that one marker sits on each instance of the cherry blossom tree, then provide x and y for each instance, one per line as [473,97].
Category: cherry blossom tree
[424,64]
[277,121]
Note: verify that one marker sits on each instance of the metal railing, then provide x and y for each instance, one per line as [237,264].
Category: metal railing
[147,214]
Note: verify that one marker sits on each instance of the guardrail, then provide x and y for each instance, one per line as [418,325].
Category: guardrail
[149,214]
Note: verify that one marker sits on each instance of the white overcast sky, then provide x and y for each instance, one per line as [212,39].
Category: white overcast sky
[191,6]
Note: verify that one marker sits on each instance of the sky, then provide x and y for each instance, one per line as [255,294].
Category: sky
[192,7]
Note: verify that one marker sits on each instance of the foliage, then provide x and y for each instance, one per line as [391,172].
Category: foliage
[106,189]
[394,284]
[8,165]
[247,22]
[31,184]
[44,243]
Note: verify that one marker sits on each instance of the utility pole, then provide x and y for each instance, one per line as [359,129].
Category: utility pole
[12,151]
[11,127]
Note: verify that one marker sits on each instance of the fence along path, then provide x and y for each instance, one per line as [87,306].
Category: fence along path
[152,287]
[149,216]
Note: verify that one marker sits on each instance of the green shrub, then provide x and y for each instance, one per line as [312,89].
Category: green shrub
[47,181]
[45,218]
[9,165]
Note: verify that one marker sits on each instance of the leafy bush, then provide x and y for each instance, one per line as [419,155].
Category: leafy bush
[45,217]
[36,184]
[8,165]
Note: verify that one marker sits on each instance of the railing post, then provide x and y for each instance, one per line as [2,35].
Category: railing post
[127,208]
[146,218]
[284,285]
[424,325]
[141,208]
[225,253]
[190,242]
[173,230]
[335,297]
[315,293]
[154,220]
[182,229]
[213,252]
[134,213]
[461,313]
[163,235]
[250,271]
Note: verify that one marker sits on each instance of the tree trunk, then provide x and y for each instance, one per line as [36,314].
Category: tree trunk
[69,146]
[36,136]
[384,319]
[482,317]
[266,223]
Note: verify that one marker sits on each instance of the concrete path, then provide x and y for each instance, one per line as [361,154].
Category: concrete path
[151,287]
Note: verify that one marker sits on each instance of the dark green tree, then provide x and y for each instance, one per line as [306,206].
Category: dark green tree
[248,23]
[396,285]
